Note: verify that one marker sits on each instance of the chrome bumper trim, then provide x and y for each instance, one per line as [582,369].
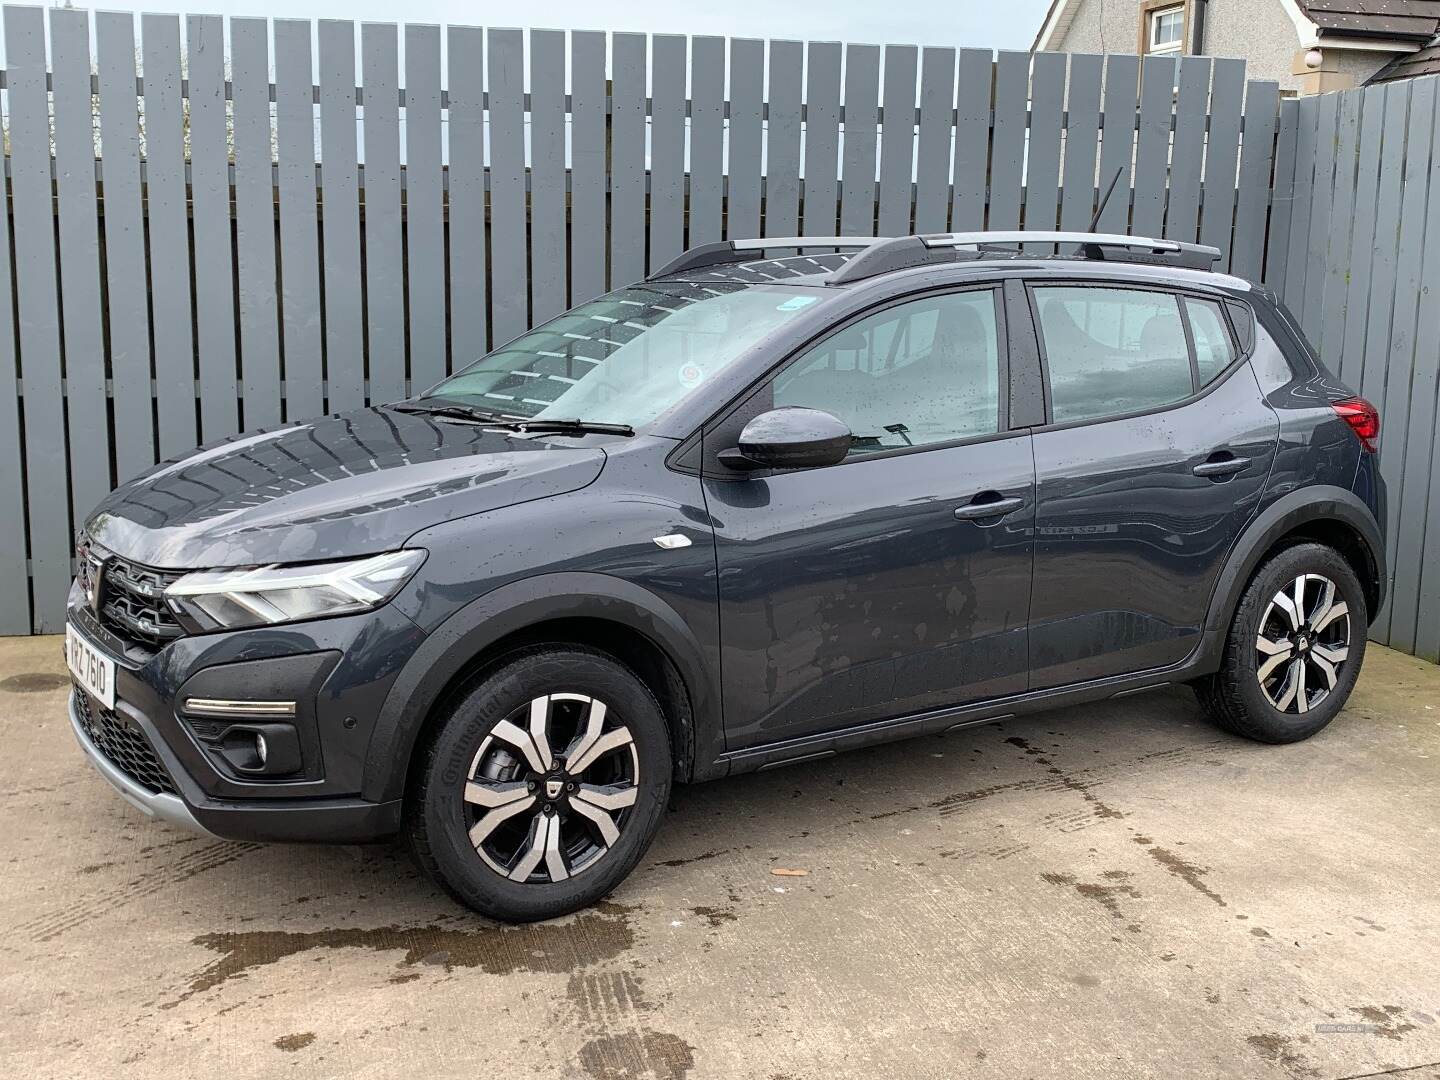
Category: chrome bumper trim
[167,808]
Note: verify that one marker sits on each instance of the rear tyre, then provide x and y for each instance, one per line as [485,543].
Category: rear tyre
[1294,649]
[543,785]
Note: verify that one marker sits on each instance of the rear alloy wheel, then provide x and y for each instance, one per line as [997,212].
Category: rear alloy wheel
[543,785]
[1294,649]
[1303,644]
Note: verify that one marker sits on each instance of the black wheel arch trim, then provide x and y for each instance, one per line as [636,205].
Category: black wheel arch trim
[511,609]
[1310,505]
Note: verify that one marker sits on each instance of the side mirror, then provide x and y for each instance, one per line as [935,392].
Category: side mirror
[791,438]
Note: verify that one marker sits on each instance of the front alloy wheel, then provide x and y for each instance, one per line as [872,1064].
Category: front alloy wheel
[551,787]
[1303,643]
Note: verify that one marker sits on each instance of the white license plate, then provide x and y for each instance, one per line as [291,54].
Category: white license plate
[92,669]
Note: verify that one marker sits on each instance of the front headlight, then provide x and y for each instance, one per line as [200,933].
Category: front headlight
[263,595]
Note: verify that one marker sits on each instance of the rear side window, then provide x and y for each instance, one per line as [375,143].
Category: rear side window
[1213,350]
[1112,351]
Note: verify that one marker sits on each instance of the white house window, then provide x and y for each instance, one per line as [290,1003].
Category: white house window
[1166,29]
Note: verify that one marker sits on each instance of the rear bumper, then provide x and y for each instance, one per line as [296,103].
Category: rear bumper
[351,821]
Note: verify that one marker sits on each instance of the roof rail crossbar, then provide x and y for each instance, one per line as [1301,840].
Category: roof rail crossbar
[1092,246]
[733,251]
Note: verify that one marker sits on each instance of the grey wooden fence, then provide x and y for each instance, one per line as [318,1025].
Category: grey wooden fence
[206,237]
[1355,252]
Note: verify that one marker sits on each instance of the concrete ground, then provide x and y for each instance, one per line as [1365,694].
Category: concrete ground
[1118,890]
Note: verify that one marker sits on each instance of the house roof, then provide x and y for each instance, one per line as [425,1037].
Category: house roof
[1410,65]
[1405,22]
[1399,19]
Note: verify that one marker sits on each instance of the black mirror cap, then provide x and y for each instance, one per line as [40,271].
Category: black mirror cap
[793,438]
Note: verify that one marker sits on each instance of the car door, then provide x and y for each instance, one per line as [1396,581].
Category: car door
[898,580]
[1157,452]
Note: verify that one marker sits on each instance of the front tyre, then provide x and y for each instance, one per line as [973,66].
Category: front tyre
[1294,649]
[543,785]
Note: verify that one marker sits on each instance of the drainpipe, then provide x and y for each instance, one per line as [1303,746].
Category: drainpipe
[1197,34]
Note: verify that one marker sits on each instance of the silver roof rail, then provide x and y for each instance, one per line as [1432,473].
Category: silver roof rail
[731,251]
[1092,243]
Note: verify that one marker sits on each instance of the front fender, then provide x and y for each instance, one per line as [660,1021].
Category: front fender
[483,622]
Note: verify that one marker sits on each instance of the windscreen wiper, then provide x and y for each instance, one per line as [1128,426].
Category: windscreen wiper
[453,411]
[567,427]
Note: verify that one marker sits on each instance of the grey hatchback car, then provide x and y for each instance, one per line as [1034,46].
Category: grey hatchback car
[783,498]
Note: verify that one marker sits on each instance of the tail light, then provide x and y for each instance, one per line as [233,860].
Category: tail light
[1363,418]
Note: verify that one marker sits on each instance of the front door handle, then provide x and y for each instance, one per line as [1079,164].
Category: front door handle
[988,504]
[1220,464]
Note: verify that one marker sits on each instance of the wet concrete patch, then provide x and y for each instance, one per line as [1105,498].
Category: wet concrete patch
[1187,872]
[33,682]
[556,948]
[298,1041]
[635,1054]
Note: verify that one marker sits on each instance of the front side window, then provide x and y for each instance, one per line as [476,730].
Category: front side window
[921,372]
[628,356]
[1109,352]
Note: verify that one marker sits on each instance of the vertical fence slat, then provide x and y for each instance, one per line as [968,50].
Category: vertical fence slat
[707,138]
[1082,132]
[167,214]
[344,308]
[1117,146]
[667,148]
[384,267]
[299,231]
[85,400]
[509,286]
[932,148]
[822,137]
[126,298]
[627,151]
[1322,194]
[897,139]
[1277,243]
[1337,268]
[39,311]
[15,615]
[972,140]
[1182,214]
[468,277]
[255,224]
[210,220]
[1257,162]
[1348,361]
[862,105]
[424,210]
[1152,149]
[782,140]
[1400,406]
[587,169]
[1387,225]
[547,173]
[1301,190]
[1222,154]
[1413,627]
[1042,174]
[747,88]
[1007,151]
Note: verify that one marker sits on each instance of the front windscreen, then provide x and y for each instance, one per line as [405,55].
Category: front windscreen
[626,357]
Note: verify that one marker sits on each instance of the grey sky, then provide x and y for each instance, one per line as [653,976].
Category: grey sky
[974,23]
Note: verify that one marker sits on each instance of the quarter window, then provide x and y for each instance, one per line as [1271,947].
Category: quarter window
[1112,351]
[922,372]
[1213,351]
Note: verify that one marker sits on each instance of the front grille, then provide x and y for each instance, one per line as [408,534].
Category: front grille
[125,748]
[132,603]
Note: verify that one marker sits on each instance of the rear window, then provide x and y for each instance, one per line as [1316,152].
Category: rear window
[1213,348]
[1112,351]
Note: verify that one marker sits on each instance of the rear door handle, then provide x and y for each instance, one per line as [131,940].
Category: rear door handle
[988,504]
[1216,466]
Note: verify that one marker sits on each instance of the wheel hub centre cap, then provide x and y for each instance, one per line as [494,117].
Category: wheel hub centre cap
[553,786]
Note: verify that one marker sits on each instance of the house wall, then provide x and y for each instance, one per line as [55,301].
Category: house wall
[1260,31]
